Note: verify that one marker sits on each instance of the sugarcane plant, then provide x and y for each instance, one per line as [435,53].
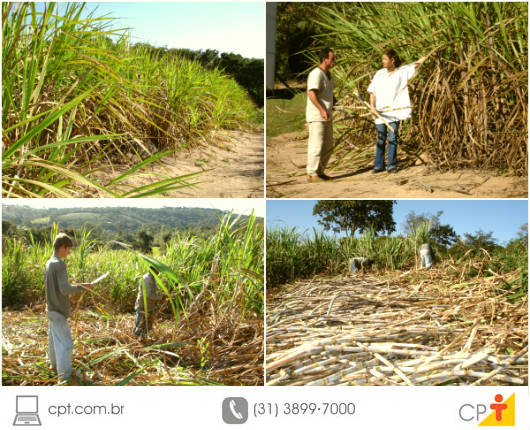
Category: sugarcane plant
[80,101]
[470,96]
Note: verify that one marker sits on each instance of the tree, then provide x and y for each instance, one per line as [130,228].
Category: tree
[247,72]
[145,240]
[296,27]
[350,216]
[8,229]
[441,234]
[516,252]
[523,233]
[166,237]
[481,239]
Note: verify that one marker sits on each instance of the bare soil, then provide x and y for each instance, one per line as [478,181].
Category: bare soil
[232,167]
[286,177]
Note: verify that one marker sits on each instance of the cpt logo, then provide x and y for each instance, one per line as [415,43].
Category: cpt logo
[502,412]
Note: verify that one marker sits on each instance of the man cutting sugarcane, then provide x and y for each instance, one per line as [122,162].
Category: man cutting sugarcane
[390,103]
[146,303]
[319,116]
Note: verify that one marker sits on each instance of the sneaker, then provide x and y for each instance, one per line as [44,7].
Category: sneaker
[394,170]
[377,171]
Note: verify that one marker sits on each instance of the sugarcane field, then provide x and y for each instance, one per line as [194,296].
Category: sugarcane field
[96,103]
[404,309]
[159,305]
[446,84]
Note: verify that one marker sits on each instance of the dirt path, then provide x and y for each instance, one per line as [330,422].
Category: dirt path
[232,168]
[286,160]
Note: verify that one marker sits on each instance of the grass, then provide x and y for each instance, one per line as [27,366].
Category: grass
[78,98]
[212,318]
[106,353]
[286,115]
[292,255]
[469,97]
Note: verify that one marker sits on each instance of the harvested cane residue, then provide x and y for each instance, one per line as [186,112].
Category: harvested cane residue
[208,348]
[415,328]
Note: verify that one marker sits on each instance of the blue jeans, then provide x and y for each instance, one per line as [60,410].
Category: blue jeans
[392,146]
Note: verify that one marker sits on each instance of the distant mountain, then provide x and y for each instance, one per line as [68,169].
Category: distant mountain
[123,219]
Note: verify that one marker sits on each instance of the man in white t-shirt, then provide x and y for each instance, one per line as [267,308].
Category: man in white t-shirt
[389,97]
[319,116]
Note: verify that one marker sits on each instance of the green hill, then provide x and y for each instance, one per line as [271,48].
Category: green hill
[114,220]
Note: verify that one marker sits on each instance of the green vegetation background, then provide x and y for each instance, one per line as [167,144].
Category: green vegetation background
[185,242]
[293,255]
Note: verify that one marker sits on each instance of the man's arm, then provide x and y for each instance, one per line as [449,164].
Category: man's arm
[62,280]
[312,94]
[419,62]
[372,103]
[64,285]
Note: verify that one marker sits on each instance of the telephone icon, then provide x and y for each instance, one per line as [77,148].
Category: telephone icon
[235,410]
[232,406]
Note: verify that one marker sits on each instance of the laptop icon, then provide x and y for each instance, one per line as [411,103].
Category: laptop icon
[27,411]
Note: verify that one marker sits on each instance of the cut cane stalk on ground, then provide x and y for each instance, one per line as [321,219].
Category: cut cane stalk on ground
[463,322]
[395,332]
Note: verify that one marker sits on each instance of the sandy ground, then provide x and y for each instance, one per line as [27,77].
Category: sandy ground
[286,161]
[232,168]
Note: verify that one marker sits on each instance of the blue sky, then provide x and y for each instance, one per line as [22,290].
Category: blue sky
[237,27]
[502,217]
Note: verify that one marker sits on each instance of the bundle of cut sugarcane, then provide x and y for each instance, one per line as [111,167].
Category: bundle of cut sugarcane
[369,331]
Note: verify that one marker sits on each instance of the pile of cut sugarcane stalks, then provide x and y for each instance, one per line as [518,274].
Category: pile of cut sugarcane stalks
[417,328]
[353,134]
[355,137]
[211,347]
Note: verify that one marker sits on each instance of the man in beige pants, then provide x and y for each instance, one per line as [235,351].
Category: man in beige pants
[319,116]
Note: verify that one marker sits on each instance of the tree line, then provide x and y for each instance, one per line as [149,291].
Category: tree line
[247,72]
[112,219]
[144,239]
[143,228]
[352,216]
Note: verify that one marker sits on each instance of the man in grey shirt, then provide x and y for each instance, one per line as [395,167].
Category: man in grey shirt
[426,255]
[58,292]
[145,304]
